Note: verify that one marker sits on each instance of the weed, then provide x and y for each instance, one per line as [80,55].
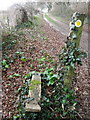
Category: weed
[18,53]
[14,75]
[4,64]
[44,38]
[23,59]
[29,24]
[8,41]
[20,33]
[41,60]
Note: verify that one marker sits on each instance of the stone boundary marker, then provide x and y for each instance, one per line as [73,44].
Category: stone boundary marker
[34,94]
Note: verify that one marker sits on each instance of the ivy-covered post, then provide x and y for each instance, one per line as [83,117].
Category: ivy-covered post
[76,26]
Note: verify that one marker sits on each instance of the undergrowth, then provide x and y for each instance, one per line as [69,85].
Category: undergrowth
[31,23]
[57,101]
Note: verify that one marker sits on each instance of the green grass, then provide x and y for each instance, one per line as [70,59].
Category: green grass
[49,19]
[66,19]
[62,19]
[39,20]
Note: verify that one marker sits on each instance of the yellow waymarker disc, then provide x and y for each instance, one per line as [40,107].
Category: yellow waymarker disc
[78,23]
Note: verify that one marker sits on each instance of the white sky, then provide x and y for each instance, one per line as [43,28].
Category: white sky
[4,4]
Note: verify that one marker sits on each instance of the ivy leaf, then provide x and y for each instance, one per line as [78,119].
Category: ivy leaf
[19,53]
[63,101]
[16,75]
[11,76]
[4,62]
[19,89]
[27,76]
[6,66]
[51,82]
[23,59]
[72,64]
[83,55]
[78,59]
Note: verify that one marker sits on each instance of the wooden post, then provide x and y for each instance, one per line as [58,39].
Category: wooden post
[76,26]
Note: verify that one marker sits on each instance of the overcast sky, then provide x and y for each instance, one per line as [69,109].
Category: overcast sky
[4,4]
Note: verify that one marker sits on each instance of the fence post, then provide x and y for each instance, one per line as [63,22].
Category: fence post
[76,26]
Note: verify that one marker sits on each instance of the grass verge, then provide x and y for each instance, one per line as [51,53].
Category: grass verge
[50,19]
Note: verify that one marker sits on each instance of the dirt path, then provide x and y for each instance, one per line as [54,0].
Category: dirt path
[60,26]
